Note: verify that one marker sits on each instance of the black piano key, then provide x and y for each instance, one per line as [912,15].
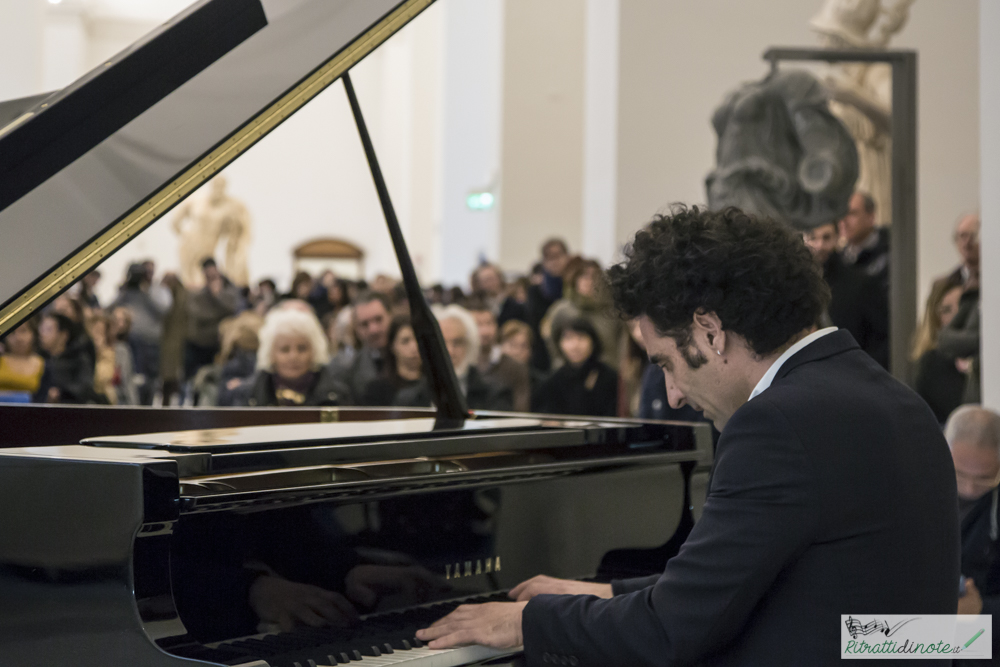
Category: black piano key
[386,648]
[356,655]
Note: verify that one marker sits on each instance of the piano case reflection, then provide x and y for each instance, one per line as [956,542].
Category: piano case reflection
[288,538]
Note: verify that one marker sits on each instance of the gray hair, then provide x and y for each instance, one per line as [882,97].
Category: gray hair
[974,425]
[291,321]
[454,312]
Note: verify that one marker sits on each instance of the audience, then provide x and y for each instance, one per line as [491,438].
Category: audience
[865,245]
[502,343]
[857,303]
[583,385]
[292,365]
[358,367]
[21,367]
[402,365]
[461,337]
[936,377]
[973,434]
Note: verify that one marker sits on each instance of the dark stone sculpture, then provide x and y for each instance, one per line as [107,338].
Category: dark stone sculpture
[781,153]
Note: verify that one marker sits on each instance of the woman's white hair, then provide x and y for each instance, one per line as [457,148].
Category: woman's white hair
[454,312]
[291,321]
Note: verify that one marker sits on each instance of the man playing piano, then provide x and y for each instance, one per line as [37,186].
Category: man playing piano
[832,493]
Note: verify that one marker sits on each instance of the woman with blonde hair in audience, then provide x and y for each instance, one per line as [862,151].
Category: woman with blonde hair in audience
[97,327]
[21,367]
[937,378]
[292,365]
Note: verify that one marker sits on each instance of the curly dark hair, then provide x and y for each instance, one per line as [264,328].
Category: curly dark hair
[755,274]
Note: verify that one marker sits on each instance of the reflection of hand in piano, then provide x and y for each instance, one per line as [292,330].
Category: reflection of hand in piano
[494,624]
[542,585]
[367,585]
[289,603]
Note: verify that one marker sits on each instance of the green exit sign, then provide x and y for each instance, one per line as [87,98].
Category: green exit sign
[480,201]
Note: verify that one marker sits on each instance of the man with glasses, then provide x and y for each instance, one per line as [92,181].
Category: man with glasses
[973,435]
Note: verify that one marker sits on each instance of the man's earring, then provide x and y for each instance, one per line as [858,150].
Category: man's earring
[719,352]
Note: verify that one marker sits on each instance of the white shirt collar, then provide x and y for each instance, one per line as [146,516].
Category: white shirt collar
[769,376]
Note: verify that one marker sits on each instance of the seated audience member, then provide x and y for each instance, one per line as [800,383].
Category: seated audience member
[545,290]
[119,323]
[262,298]
[206,308]
[21,367]
[69,373]
[488,285]
[866,246]
[856,303]
[936,377]
[75,311]
[486,325]
[973,435]
[105,388]
[302,285]
[291,365]
[148,306]
[402,367]
[87,285]
[585,295]
[959,340]
[358,367]
[461,336]
[631,366]
[330,297]
[515,363]
[583,385]
[237,360]
[172,338]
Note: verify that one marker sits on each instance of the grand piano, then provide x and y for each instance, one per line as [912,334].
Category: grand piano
[164,537]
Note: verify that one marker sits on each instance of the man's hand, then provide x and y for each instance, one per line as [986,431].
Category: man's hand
[542,585]
[972,601]
[288,603]
[496,624]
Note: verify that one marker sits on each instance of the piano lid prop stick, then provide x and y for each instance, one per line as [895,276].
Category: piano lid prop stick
[447,396]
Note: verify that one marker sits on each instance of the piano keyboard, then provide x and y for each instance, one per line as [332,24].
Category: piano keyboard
[380,639]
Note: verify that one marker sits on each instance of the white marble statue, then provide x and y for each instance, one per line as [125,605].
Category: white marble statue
[861,93]
[201,222]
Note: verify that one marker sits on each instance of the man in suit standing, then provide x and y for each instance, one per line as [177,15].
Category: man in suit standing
[833,489]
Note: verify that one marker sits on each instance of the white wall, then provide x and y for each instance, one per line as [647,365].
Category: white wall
[989,91]
[21,35]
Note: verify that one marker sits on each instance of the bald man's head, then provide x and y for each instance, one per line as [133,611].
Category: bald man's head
[973,434]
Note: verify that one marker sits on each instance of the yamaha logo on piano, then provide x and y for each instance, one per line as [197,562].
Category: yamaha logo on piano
[457,571]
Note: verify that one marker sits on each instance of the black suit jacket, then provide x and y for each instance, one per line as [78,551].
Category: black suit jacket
[833,493]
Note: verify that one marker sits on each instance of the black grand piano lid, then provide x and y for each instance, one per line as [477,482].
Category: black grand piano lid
[171,138]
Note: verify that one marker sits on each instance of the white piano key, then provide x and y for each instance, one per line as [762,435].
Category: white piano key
[428,657]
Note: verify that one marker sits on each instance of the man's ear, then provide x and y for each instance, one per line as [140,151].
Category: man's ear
[708,326]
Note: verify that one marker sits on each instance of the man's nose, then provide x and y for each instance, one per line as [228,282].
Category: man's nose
[675,397]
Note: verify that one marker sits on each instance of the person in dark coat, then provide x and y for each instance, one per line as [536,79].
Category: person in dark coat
[856,301]
[402,368]
[555,259]
[69,371]
[832,492]
[583,385]
[937,377]
[973,434]
[291,365]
